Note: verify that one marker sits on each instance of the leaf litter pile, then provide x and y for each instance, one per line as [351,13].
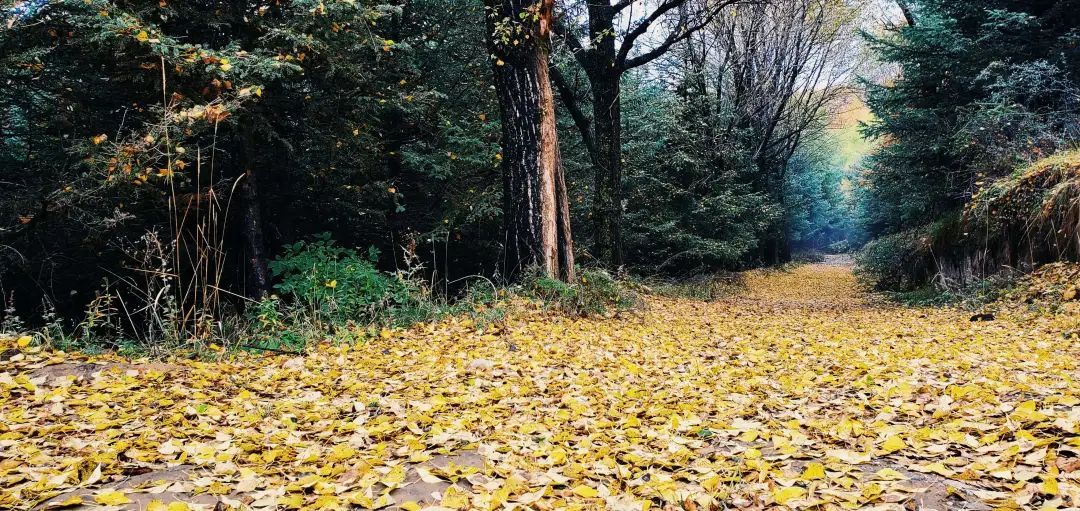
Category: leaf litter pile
[800,392]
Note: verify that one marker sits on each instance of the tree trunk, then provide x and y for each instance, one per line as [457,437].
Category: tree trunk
[252,229]
[604,71]
[607,213]
[535,203]
[909,17]
[604,64]
[565,238]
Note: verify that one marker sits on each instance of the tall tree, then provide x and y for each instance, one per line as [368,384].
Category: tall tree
[606,54]
[537,209]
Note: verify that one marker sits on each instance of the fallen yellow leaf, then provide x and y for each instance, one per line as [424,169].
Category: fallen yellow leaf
[893,443]
[813,472]
[784,495]
[585,491]
[111,498]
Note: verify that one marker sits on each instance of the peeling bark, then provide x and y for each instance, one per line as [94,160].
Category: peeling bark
[536,207]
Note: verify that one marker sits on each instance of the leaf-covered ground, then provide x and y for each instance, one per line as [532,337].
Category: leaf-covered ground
[799,392]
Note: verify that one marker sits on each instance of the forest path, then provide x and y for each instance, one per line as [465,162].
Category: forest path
[799,391]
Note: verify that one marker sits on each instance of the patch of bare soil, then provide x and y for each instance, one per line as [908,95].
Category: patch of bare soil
[166,485]
[429,493]
[88,370]
[144,488]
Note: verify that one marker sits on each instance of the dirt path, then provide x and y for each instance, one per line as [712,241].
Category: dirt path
[841,260]
[800,392]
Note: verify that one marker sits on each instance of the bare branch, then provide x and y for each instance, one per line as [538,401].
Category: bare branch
[641,28]
[583,123]
[582,54]
[679,34]
[906,9]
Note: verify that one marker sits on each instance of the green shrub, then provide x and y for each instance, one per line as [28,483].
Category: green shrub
[274,326]
[897,262]
[482,303]
[908,260]
[337,286]
[973,296]
[595,291]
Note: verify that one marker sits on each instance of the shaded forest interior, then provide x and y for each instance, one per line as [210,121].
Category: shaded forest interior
[165,165]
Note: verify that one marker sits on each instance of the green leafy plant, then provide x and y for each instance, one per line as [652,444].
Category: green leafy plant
[274,326]
[899,262]
[594,292]
[338,286]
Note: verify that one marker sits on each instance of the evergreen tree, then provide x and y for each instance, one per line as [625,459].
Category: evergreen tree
[983,85]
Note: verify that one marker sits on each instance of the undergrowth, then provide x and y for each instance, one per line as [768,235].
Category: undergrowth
[1052,288]
[975,295]
[594,291]
[325,293]
[706,288]
[1024,219]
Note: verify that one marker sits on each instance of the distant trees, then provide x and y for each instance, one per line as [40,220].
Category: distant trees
[782,65]
[606,50]
[755,85]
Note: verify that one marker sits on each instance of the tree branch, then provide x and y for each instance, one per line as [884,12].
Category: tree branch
[583,123]
[582,54]
[675,37]
[906,9]
[641,28]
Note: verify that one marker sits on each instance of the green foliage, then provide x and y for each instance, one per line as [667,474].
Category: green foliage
[483,304]
[594,292]
[226,132]
[986,85]
[898,261]
[819,213]
[689,208]
[122,118]
[972,296]
[840,247]
[340,287]
[325,286]
[277,326]
[1034,210]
